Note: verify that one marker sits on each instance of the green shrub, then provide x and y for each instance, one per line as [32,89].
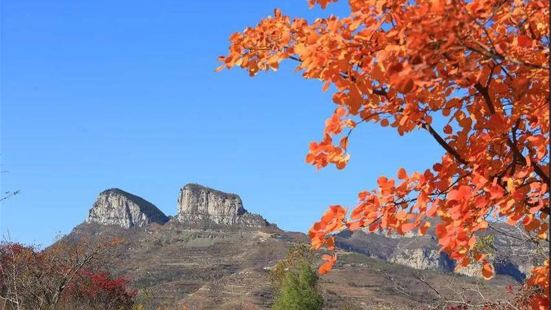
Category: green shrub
[297,282]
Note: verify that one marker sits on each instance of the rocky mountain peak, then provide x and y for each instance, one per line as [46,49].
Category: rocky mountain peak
[202,206]
[117,207]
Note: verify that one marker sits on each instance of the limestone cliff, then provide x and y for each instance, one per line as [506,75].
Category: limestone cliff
[202,206]
[117,207]
[509,255]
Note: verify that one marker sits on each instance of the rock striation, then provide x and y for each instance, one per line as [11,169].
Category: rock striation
[206,207]
[117,207]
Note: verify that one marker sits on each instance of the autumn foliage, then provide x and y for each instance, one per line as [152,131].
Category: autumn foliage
[64,276]
[473,75]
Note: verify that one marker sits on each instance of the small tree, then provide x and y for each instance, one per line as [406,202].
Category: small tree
[296,281]
[64,276]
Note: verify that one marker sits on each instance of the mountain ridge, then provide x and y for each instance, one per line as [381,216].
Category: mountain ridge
[183,260]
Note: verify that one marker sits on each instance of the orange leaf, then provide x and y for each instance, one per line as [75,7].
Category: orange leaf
[524,41]
[330,243]
[438,5]
[423,229]
[402,174]
[405,85]
[325,86]
[353,226]
[325,267]
[316,243]
[328,265]
[407,227]
[487,270]
[459,194]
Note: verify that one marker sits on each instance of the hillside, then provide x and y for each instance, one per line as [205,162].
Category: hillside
[214,254]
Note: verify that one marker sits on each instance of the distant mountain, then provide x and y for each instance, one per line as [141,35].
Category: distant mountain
[511,255]
[214,254]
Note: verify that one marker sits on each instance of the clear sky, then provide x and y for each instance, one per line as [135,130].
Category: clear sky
[101,94]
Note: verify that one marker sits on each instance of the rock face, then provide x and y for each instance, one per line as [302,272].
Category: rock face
[202,206]
[509,256]
[117,207]
[422,259]
[419,252]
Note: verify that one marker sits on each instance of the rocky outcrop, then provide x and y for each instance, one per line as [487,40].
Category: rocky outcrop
[508,255]
[422,259]
[419,252]
[202,206]
[117,207]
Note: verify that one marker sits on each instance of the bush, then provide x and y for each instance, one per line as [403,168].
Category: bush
[64,276]
[296,282]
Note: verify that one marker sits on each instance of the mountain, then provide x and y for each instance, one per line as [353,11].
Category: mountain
[511,254]
[117,207]
[214,254]
[201,206]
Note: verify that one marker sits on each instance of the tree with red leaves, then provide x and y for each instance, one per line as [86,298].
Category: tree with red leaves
[64,276]
[481,67]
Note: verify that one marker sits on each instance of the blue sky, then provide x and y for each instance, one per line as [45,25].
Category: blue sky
[100,94]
